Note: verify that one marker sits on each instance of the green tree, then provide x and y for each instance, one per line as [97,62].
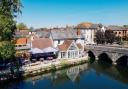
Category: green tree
[9,9]
[109,36]
[21,26]
[7,51]
[99,37]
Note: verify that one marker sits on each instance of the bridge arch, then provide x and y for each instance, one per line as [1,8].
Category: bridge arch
[91,56]
[105,57]
[123,60]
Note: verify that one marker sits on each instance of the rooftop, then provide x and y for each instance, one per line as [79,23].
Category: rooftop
[42,43]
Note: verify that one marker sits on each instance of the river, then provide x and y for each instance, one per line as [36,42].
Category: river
[85,76]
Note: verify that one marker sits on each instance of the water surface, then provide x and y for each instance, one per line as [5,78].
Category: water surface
[86,76]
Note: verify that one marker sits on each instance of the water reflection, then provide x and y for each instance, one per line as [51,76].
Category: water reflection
[90,76]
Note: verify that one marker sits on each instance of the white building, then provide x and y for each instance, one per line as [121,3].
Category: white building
[59,35]
[70,49]
[88,30]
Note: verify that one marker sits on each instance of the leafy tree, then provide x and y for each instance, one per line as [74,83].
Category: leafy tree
[31,28]
[9,9]
[109,36]
[100,38]
[21,26]
[7,51]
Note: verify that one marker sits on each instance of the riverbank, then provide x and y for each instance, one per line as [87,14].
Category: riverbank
[38,68]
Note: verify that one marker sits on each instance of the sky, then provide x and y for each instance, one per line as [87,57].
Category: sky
[57,13]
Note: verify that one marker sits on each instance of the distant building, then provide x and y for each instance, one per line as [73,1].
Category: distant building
[22,33]
[59,35]
[42,33]
[88,30]
[22,44]
[70,49]
[120,31]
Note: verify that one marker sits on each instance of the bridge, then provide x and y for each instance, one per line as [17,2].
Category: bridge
[117,54]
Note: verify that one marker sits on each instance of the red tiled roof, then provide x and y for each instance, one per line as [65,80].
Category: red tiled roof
[42,43]
[21,41]
[65,45]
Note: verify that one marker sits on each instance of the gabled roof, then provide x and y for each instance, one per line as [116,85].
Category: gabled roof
[21,41]
[42,43]
[67,33]
[67,43]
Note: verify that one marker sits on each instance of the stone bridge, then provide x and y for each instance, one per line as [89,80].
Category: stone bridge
[114,53]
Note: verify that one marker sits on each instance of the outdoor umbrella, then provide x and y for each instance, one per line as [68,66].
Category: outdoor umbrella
[49,49]
[36,51]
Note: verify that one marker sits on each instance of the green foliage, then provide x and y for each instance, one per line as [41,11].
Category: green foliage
[105,37]
[100,38]
[64,63]
[53,67]
[9,9]
[109,36]
[21,26]
[7,51]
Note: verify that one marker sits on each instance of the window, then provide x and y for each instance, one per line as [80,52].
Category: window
[63,54]
[72,47]
[58,41]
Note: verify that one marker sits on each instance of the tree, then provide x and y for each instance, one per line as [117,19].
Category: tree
[21,26]
[31,29]
[7,51]
[109,36]
[9,9]
[100,38]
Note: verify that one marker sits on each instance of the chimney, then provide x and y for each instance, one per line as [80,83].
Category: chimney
[78,31]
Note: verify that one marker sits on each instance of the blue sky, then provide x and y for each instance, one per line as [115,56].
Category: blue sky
[51,13]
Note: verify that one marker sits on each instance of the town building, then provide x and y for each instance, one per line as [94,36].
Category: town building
[88,30]
[59,35]
[120,31]
[70,49]
[22,44]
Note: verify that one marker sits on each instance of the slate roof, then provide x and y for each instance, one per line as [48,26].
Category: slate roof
[62,33]
[115,27]
[43,34]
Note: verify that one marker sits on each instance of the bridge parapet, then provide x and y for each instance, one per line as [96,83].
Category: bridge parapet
[113,52]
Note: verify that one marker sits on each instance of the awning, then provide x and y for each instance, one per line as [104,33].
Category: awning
[36,50]
[49,49]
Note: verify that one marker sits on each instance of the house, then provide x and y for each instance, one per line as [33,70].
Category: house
[46,47]
[22,44]
[70,49]
[59,35]
[88,30]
